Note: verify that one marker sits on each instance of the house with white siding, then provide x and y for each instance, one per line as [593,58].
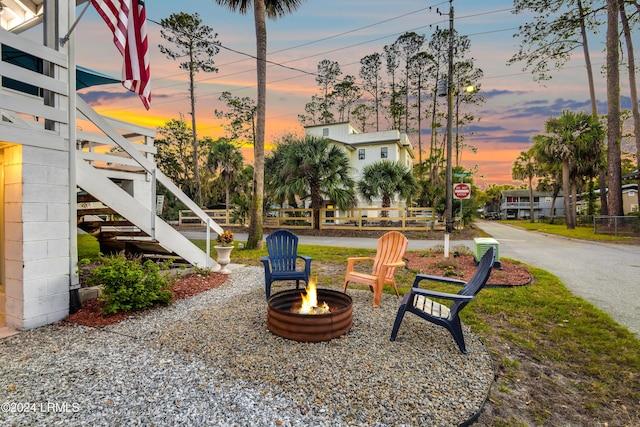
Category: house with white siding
[366,148]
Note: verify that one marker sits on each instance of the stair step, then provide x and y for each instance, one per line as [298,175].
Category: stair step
[121,234]
[100,224]
[96,211]
[86,198]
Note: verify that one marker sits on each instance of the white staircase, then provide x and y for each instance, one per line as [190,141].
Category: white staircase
[141,230]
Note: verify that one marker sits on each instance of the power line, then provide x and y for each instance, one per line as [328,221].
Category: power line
[309,73]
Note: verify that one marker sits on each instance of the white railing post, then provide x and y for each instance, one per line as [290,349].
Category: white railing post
[154,203]
[208,237]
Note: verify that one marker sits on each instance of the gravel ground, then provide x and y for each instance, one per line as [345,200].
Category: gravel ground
[209,360]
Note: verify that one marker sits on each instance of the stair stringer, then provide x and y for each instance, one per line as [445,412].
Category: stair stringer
[102,188]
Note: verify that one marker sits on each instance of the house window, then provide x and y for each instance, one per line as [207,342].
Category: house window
[325,131]
[384,152]
[361,154]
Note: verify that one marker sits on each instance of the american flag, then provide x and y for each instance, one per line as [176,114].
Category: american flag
[127,20]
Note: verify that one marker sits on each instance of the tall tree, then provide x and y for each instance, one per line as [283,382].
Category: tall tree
[261,10]
[361,114]
[197,43]
[558,28]
[392,59]
[385,179]
[175,157]
[409,44]
[240,116]
[421,63]
[467,94]
[346,93]
[370,67]
[633,87]
[523,168]
[313,168]
[614,167]
[328,73]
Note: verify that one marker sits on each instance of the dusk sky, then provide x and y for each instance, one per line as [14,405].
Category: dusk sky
[344,31]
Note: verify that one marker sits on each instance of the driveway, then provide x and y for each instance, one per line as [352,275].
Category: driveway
[605,274]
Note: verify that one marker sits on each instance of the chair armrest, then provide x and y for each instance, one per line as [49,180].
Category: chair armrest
[443,295]
[305,258]
[265,260]
[394,264]
[421,277]
[360,258]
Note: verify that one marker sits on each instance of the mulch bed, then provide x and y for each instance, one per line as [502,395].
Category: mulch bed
[463,267]
[91,314]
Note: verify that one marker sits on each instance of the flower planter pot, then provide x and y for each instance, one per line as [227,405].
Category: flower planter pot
[224,258]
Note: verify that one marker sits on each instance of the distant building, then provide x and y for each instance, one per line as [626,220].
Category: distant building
[366,148]
[515,204]
[629,199]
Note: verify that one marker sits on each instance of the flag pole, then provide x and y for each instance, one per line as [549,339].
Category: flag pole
[65,39]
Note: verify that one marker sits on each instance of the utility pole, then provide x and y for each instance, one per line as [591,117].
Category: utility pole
[449,178]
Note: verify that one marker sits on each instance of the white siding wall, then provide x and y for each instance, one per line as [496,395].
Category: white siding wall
[36,236]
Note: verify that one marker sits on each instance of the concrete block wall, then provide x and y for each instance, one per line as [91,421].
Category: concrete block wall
[37,230]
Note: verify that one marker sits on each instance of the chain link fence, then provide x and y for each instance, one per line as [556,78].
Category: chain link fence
[617,225]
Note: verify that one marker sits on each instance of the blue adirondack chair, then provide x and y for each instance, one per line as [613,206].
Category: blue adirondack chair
[416,301]
[280,264]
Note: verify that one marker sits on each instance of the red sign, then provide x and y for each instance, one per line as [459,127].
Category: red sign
[462,191]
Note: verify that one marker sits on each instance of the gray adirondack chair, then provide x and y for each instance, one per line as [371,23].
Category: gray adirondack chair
[417,302]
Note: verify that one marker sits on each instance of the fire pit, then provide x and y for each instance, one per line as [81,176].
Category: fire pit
[328,319]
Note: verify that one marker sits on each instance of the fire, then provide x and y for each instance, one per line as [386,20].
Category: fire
[310,301]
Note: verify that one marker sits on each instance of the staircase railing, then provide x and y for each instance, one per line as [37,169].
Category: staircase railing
[149,167]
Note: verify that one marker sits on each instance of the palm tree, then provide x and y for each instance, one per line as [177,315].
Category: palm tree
[227,159]
[313,168]
[384,179]
[261,9]
[575,139]
[550,170]
[525,168]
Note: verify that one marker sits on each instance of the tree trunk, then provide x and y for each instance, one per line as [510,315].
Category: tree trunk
[613,111]
[316,204]
[254,239]
[227,197]
[574,200]
[531,209]
[194,134]
[566,190]
[594,105]
[633,88]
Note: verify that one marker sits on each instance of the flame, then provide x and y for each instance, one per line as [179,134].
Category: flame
[310,301]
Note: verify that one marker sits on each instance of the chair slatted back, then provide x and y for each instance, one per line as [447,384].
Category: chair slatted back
[282,246]
[391,248]
[477,282]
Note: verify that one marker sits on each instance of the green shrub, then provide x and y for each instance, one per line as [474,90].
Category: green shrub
[129,285]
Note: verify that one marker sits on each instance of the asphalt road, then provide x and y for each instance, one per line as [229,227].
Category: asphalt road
[607,275]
